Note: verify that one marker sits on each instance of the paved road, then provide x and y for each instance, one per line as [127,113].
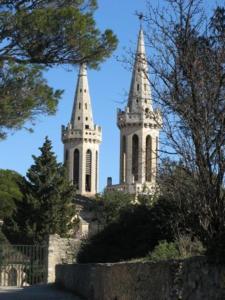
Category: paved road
[38,292]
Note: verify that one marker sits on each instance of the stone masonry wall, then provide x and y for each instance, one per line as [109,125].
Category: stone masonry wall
[192,279]
[60,251]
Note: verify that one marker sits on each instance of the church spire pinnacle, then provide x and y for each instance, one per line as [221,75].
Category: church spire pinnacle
[82,111]
[140,90]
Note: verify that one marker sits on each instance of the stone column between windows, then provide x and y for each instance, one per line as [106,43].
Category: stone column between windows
[129,159]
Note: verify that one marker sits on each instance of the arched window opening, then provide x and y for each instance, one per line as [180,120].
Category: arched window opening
[135,158]
[76,167]
[123,158]
[12,277]
[96,172]
[148,158]
[66,155]
[88,170]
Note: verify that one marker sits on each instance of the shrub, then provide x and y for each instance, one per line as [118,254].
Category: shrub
[182,248]
[135,232]
[164,251]
[132,235]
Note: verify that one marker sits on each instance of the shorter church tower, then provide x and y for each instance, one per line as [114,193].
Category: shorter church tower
[81,139]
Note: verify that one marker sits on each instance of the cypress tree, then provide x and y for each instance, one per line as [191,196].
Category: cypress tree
[47,206]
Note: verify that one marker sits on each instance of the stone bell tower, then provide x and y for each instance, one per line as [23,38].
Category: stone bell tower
[81,139]
[139,128]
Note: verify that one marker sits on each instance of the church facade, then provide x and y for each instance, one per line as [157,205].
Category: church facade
[139,127]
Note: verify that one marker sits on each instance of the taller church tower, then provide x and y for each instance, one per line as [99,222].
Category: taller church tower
[139,128]
[81,139]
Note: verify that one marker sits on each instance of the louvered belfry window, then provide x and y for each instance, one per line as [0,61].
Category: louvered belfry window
[148,158]
[88,170]
[76,167]
[123,159]
[135,156]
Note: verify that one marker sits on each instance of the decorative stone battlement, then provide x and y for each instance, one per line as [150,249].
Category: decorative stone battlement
[151,119]
[69,133]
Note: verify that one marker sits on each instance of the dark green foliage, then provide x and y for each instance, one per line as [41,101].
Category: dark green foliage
[9,192]
[36,35]
[133,231]
[53,32]
[47,205]
[137,229]
[136,232]
[109,206]
[128,237]
[183,247]
[24,94]
[164,251]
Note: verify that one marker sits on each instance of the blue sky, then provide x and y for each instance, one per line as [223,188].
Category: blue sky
[108,87]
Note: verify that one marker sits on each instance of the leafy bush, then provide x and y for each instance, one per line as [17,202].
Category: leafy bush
[164,251]
[109,206]
[135,233]
[136,230]
[182,248]
[128,237]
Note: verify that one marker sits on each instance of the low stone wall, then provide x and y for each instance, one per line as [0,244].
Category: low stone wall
[60,251]
[192,279]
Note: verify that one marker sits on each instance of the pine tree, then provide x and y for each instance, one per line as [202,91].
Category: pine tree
[9,192]
[47,206]
[36,35]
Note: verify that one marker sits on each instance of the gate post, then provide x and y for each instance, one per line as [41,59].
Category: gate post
[60,251]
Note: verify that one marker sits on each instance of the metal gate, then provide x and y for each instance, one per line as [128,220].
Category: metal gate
[22,265]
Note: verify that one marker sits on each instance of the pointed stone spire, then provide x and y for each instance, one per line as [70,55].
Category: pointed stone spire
[81,139]
[82,112]
[140,97]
